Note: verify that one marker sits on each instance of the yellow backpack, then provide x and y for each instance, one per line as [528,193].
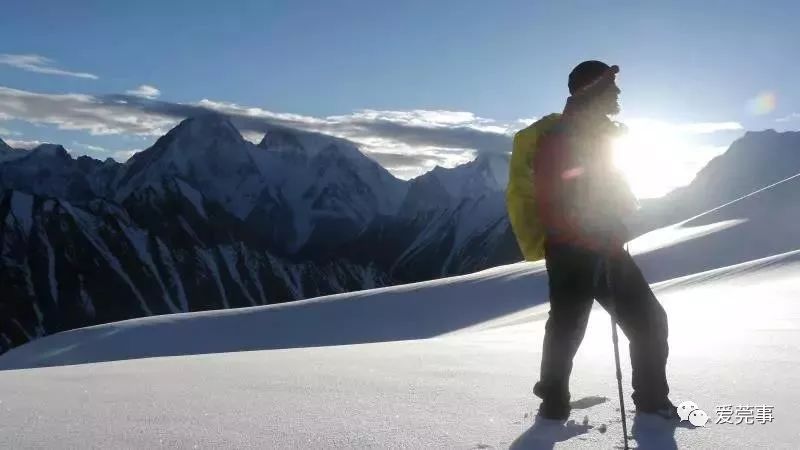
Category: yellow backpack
[520,200]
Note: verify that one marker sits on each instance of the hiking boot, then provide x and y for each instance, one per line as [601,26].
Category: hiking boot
[554,406]
[666,411]
[554,410]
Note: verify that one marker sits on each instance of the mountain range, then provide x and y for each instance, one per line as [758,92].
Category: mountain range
[205,219]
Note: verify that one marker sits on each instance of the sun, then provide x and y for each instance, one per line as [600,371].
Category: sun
[646,155]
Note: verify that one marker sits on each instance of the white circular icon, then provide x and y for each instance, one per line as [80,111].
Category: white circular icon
[686,408]
[698,418]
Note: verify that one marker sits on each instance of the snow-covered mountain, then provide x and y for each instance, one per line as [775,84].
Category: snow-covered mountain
[208,153]
[324,190]
[296,189]
[459,219]
[446,363]
[204,219]
[66,266]
[49,170]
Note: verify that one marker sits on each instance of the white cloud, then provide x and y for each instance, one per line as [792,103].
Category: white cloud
[234,109]
[123,155]
[23,144]
[523,123]
[417,117]
[405,142]
[452,129]
[93,148]
[40,64]
[708,127]
[662,126]
[81,112]
[145,91]
[7,132]
[790,118]
[130,115]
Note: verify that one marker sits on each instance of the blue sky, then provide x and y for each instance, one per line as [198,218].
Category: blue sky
[328,64]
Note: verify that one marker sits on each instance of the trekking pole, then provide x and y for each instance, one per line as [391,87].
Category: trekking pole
[612,311]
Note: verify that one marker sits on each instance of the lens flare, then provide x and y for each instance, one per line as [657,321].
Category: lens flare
[763,103]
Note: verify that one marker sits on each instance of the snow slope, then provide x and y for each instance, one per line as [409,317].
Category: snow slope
[440,364]
[205,219]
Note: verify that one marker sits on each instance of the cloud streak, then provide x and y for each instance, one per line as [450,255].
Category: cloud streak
[123,155]
[691,128]
[23,144]
[40,64]
[406,142]
[6,132]
[81,112]
[444,129]
[145,91]
[92,148]
[709,127]
[790,118]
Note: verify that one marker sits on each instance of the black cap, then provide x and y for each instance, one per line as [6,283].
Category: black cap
[588,72]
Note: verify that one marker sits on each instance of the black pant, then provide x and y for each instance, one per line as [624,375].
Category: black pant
[574,282]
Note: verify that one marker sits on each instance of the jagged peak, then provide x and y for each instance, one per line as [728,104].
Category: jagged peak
[4,147]
[51,150]
[89,159]
[310,143]
[193,133]
[280,138]
[482,161]
[486,170]
[205,127]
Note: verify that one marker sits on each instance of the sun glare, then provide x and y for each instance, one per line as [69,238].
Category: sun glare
[646,155]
